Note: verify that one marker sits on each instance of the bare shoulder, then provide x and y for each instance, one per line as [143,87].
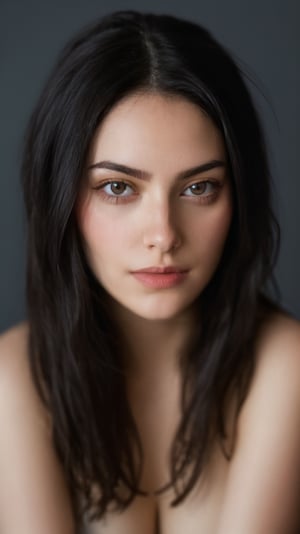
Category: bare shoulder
[14,339]
[280,331]
[264,474]
[16,382]
[13,350]
[276,380]
[278,356]
[32,481]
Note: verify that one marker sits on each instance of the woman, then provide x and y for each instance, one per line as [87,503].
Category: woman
[163,389]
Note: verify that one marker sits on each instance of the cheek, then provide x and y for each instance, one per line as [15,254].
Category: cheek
[101,232]
[212,231]
[220,226]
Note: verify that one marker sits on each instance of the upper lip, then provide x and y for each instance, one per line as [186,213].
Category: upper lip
[161,270]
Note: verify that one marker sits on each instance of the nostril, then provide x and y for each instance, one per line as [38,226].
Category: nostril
[160,229]
[162,240]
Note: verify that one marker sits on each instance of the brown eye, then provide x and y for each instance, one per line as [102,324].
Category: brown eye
[205,189]
[118,188]
[199,188]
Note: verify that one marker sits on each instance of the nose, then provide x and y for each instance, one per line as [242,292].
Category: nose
[160,230]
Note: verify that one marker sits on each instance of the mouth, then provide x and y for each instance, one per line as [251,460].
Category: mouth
[160,277]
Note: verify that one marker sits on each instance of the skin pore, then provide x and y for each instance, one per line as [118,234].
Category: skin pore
[156,194]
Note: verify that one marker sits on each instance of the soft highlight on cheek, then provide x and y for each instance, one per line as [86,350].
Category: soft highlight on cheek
[101,231]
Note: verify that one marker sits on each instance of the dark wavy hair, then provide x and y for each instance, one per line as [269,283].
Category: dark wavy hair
[73,346]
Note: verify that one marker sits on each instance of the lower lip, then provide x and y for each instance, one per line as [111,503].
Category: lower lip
[160,280]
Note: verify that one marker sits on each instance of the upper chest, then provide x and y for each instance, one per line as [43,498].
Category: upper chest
[199,511]
[157,417]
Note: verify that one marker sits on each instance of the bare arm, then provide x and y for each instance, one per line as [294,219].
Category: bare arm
[33,494]
[263,491]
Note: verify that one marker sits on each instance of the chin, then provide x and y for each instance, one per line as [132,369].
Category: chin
[155,307]
[158,315]
[161,311]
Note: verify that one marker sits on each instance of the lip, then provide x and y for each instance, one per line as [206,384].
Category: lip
[161,270]
[160,277]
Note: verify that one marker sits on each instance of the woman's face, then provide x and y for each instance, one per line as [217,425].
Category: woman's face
[155,209]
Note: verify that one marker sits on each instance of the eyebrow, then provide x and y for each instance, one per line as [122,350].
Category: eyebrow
[143,175]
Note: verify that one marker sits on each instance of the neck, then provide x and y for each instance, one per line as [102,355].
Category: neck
[149,346]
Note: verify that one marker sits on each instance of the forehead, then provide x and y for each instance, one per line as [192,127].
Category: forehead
[153,128]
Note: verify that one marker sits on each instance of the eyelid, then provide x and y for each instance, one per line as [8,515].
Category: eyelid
[203,198]
[216,184]
[108,181]
[115,198]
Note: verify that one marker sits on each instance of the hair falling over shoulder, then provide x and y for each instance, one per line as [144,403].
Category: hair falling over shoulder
[73,339]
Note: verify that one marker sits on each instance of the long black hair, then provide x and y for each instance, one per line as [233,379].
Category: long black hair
[73,345]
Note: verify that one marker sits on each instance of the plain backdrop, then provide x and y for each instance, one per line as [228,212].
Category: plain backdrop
[262,34]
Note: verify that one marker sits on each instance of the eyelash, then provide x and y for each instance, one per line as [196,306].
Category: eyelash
[117,199]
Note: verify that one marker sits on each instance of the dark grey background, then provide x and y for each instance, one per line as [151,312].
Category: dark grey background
[264,34]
